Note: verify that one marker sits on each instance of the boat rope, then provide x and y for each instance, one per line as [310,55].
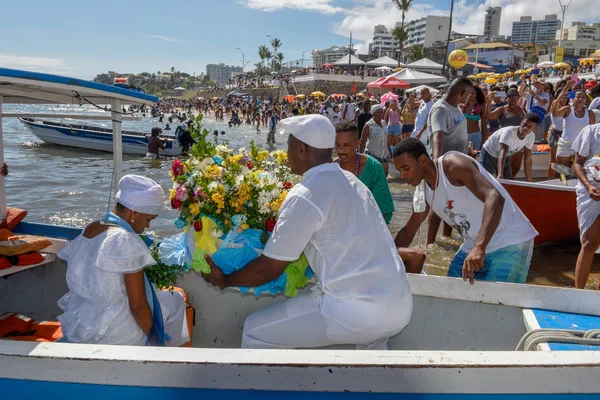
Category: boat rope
[531,339]
[80,97]
[112,178]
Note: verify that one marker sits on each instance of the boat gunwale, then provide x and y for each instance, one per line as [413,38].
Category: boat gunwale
[537,185]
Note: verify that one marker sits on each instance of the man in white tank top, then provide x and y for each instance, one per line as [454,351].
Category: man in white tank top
[498,238]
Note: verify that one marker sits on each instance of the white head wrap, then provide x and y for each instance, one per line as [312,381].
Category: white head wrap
[315,130]
[376,108]
[140,194]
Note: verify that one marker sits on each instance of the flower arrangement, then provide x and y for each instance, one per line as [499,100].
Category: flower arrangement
[225,197]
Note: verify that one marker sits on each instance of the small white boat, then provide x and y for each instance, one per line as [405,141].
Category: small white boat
[92,137]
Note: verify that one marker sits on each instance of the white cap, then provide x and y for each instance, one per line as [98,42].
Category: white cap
[315,130]
[140,194]
[375,108]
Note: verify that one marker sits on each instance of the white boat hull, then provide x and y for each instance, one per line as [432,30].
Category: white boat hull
[96,140]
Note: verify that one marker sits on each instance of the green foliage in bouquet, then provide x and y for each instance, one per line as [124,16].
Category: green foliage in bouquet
[163,276]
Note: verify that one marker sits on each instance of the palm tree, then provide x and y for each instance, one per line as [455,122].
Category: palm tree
[276,44]
[268,56]
[401,35]
[279,58]
[262,53]
[404,6]
[417,53]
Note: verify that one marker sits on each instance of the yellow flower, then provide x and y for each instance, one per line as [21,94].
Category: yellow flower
[194,209]
[276,204]
[262,156]
[172,194]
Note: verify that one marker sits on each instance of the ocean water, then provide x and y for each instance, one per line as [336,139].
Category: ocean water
[72,187]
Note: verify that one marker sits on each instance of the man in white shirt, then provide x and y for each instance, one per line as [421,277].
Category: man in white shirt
[421,130]
[508,141]
[348,111]
[362,295]
[498,238]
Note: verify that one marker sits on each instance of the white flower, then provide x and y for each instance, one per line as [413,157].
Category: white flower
[242,150]
[239,180]
[213,186]
[227,187]
[222,150]
[176,185]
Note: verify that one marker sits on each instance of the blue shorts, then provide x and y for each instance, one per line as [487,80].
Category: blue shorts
[408,128]
[508,264]
[393,130]
[477,139]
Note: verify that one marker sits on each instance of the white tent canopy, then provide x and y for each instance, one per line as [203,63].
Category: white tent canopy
[415,77]
[383,62]
[384,68]
[545,64]
[349,60]
[425,63]
[180,89]
[417,89]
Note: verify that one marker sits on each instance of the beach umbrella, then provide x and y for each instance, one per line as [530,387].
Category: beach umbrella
[301,96]
[545,64]
[509,73]
[491,81]
[398,69]
[560,65]
[327,65]
[361,95]
[290,98]
[388,97]
[317,94]
[585,61]
[471,77]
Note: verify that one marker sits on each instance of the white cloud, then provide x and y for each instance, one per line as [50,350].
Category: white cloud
[360,16]
[320,6]
[12,61]
[164,38]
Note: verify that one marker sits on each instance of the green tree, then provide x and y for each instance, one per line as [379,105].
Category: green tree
[263,53]
[276,44]
[404,6]
[416,53]
[401,35]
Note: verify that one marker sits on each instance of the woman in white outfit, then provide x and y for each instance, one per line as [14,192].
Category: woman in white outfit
[575,118]
[374,138]
[110,300]
[587,168]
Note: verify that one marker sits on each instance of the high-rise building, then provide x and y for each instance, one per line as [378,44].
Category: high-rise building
[426,31]
[580,31]
[383,43]
[330,55]
[541,32]
[491,26]
[221,73]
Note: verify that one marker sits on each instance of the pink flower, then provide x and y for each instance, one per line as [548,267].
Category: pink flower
[182,194]
[200,193]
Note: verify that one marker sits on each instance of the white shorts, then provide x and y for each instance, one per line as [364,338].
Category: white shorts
[563,148]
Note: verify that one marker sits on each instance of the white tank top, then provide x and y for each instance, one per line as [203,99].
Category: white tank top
[462,210]
[572,125]
[557,122]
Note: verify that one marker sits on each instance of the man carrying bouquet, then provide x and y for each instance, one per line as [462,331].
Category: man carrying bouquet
[362,295]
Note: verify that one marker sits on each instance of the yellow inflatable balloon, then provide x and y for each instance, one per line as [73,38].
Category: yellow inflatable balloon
[458,59]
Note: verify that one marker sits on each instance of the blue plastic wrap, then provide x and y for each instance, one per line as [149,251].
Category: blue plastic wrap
[174,250]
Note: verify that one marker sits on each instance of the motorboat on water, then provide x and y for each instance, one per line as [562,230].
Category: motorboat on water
[461,341]
[92,137]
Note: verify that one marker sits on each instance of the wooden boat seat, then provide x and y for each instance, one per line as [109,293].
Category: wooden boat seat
[544,319]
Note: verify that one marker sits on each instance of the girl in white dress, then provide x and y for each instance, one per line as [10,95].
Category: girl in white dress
[110,299]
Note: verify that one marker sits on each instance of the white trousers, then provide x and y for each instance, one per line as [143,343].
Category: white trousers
[299,323]
[173,311]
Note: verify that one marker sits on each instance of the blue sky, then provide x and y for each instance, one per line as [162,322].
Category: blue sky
[83,38]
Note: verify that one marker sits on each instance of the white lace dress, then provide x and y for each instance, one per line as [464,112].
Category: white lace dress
[587,145]
[96,308]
